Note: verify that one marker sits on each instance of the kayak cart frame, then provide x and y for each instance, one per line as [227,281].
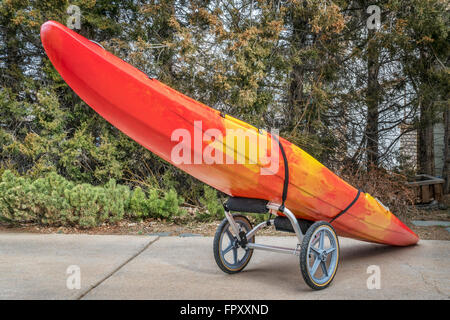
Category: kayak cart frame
[275,207]
[317,247]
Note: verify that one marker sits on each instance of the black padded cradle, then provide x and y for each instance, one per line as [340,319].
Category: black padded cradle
[246,205]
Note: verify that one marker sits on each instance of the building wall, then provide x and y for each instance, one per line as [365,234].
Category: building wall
[408,146]
[438,132]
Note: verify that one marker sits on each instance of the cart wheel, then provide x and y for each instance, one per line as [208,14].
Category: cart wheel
[229,255]
[319,256]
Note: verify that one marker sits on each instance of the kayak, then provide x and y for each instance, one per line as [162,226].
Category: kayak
[207,144]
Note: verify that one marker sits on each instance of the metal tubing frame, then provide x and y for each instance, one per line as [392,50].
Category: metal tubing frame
[275,207]
[259,226]
[233,224]
[291,217]
[273,248]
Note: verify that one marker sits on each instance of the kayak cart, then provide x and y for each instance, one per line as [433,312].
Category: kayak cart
[317,248]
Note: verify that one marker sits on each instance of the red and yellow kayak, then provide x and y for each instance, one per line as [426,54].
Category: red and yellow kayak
[150,112]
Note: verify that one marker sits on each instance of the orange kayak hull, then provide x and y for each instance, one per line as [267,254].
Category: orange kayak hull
[150,112]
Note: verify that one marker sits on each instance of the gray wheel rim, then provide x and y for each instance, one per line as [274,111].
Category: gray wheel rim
[232,255]
[322,255]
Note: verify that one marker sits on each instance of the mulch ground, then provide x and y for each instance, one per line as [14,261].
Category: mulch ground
[189,225]
[430,233]
[146,227]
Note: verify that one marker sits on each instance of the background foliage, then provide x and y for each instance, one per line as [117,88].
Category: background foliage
[312,69]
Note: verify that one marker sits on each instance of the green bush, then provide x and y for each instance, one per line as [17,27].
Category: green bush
[214,208]
[138,203]
[53,200]
[166,206]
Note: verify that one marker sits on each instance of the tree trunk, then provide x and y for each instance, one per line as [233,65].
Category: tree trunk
[446,170]
[372,100]
[296,98]
[425,141]
[297,77]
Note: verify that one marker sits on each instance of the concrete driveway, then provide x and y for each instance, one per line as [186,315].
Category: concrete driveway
[41,266]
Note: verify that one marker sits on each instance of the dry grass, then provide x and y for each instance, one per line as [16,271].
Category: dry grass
[150,226]
[390,188]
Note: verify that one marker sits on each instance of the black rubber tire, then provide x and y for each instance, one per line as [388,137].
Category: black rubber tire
[304,252]
[224,225]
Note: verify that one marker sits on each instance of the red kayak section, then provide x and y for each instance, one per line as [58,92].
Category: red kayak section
[150,112]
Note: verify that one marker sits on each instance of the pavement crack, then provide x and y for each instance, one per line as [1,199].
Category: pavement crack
[427,282]
[82,295]
[433,285]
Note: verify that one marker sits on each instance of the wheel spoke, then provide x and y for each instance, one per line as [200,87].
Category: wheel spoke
[330,250]
[224,252]
[324,268]
[315,266]
[316,237]
[235,255]
[230,235]
[315,250]
[322,238]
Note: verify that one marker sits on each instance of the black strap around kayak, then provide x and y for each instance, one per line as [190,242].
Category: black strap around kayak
[348,207]
[286,174]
